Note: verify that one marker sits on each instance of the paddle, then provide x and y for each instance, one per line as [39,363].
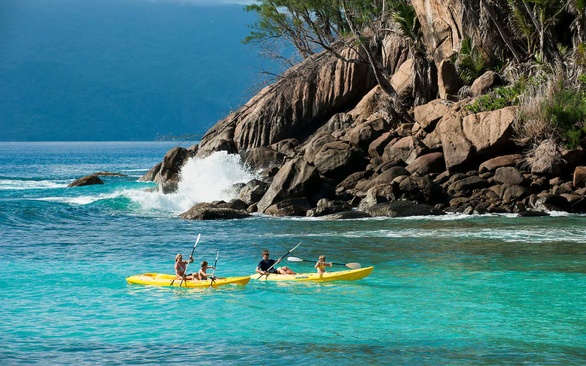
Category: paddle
[185,273]
[213,278]
[277,261]
[349,265]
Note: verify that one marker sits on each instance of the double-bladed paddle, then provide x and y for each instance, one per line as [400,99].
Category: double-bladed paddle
[349,265]
[185,273]
[278,260]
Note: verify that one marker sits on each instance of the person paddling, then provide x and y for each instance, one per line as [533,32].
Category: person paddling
[202,274]
[265,264]
[322,264]
[181,266]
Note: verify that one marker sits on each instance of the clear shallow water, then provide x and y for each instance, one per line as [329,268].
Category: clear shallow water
[453,290]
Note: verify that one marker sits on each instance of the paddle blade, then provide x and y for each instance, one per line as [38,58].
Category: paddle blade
[294,259]
[353,265]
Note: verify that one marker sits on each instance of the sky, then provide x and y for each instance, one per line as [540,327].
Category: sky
[93,70]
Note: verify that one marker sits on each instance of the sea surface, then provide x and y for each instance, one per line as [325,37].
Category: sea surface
[457,290]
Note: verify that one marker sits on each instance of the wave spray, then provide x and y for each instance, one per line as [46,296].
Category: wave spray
[201,180]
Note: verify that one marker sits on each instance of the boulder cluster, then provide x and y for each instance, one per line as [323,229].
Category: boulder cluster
[331,142]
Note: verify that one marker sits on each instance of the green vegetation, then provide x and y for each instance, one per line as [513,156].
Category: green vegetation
[497,98]
[567,112]
[470,63]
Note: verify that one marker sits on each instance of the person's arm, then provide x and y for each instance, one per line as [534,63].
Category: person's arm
[258,268]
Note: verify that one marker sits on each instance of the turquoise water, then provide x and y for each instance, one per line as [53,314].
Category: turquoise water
[454,290]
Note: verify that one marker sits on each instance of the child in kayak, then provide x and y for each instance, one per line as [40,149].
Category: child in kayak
[181,266]
[321,264]
[267,266]
[202,274]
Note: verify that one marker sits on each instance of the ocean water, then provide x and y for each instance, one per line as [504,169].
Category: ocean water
[466,290]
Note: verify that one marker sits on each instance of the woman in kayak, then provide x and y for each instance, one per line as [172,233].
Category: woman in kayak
[321,264]
[181,266]
[267,266]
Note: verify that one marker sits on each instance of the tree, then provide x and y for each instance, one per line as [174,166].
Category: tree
[312,26]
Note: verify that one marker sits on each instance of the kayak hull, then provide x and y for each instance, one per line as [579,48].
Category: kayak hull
[348,275]
[162,279]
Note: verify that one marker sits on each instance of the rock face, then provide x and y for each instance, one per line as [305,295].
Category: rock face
[303,97]
[331,143]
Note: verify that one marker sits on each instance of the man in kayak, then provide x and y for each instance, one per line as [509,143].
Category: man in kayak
[266,266]
[181,266]
[321,264]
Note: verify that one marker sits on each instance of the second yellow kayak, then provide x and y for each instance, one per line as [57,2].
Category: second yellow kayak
[348,275]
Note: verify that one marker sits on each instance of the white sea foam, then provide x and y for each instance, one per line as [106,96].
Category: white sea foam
[19,185]
[201,180]
[82,200]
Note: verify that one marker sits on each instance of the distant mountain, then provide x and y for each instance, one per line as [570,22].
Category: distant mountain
[121,69]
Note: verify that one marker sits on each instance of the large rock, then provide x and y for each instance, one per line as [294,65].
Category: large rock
[491,165]
[445,23]
[429,114]
[253,191]
[579,180]
[262,157]
[428,163]
[388,176]
[466,137]
[449,83]
[365,133]
[334,158]
[169,173]
[403,209]
[508,175]
[305,96]
[406,149]
[289,207]
[484,83]
[294,180]
[213,213]
[88,180]
[403,79]
[455,146]
[490,132]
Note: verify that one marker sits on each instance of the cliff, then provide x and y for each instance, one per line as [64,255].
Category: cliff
[332,141]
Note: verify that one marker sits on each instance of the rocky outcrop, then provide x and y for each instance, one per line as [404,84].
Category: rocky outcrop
[304,98]
[332,144]
[88,180]
[93,179]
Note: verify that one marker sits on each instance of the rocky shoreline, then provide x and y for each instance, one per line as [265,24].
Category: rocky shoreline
[330,142]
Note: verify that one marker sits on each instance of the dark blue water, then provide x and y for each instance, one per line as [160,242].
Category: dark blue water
[454,290]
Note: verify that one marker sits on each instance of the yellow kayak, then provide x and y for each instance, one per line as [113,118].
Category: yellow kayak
[348,275]
[162,279]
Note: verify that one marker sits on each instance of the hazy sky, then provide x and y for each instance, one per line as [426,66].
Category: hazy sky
[205,2]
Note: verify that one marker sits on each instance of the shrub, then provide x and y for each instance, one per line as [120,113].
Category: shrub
[567,112]
[498,98]
[470,63]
